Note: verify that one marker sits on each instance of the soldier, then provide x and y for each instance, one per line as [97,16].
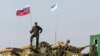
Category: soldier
[94,51]
[73,49]
[35,31]
[60,51]
[43,48]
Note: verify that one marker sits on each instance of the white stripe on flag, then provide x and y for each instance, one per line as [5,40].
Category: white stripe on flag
[26,6]
[54,7]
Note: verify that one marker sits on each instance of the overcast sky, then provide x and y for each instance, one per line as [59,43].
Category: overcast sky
[75,20]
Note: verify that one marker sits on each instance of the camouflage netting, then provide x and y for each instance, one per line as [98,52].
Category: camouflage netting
[45,49]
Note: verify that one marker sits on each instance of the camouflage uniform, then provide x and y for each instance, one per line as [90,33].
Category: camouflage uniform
[35,33]
[94,51]
[60,51]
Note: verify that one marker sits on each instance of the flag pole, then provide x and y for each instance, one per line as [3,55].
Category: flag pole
[31,20]
[56,30]
[53,8]
[55,34]
[30,17]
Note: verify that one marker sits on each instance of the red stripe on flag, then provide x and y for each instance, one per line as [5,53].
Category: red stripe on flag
[23,12]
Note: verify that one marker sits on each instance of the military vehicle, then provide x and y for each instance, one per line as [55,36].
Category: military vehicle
[45,49]
[58,49]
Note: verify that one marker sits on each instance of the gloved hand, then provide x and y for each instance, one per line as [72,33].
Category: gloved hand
[30,32]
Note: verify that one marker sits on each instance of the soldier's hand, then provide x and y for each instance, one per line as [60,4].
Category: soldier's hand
[30,32]
[40,32]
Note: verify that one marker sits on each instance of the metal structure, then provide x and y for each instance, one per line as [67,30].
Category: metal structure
[95,42]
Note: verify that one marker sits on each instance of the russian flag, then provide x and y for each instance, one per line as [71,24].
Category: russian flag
[23,11]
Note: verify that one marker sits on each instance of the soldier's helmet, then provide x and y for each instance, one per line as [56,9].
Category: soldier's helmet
[44,43]
[68,41]
[36,23]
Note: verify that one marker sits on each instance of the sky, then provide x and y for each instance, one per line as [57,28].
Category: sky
[74,19]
